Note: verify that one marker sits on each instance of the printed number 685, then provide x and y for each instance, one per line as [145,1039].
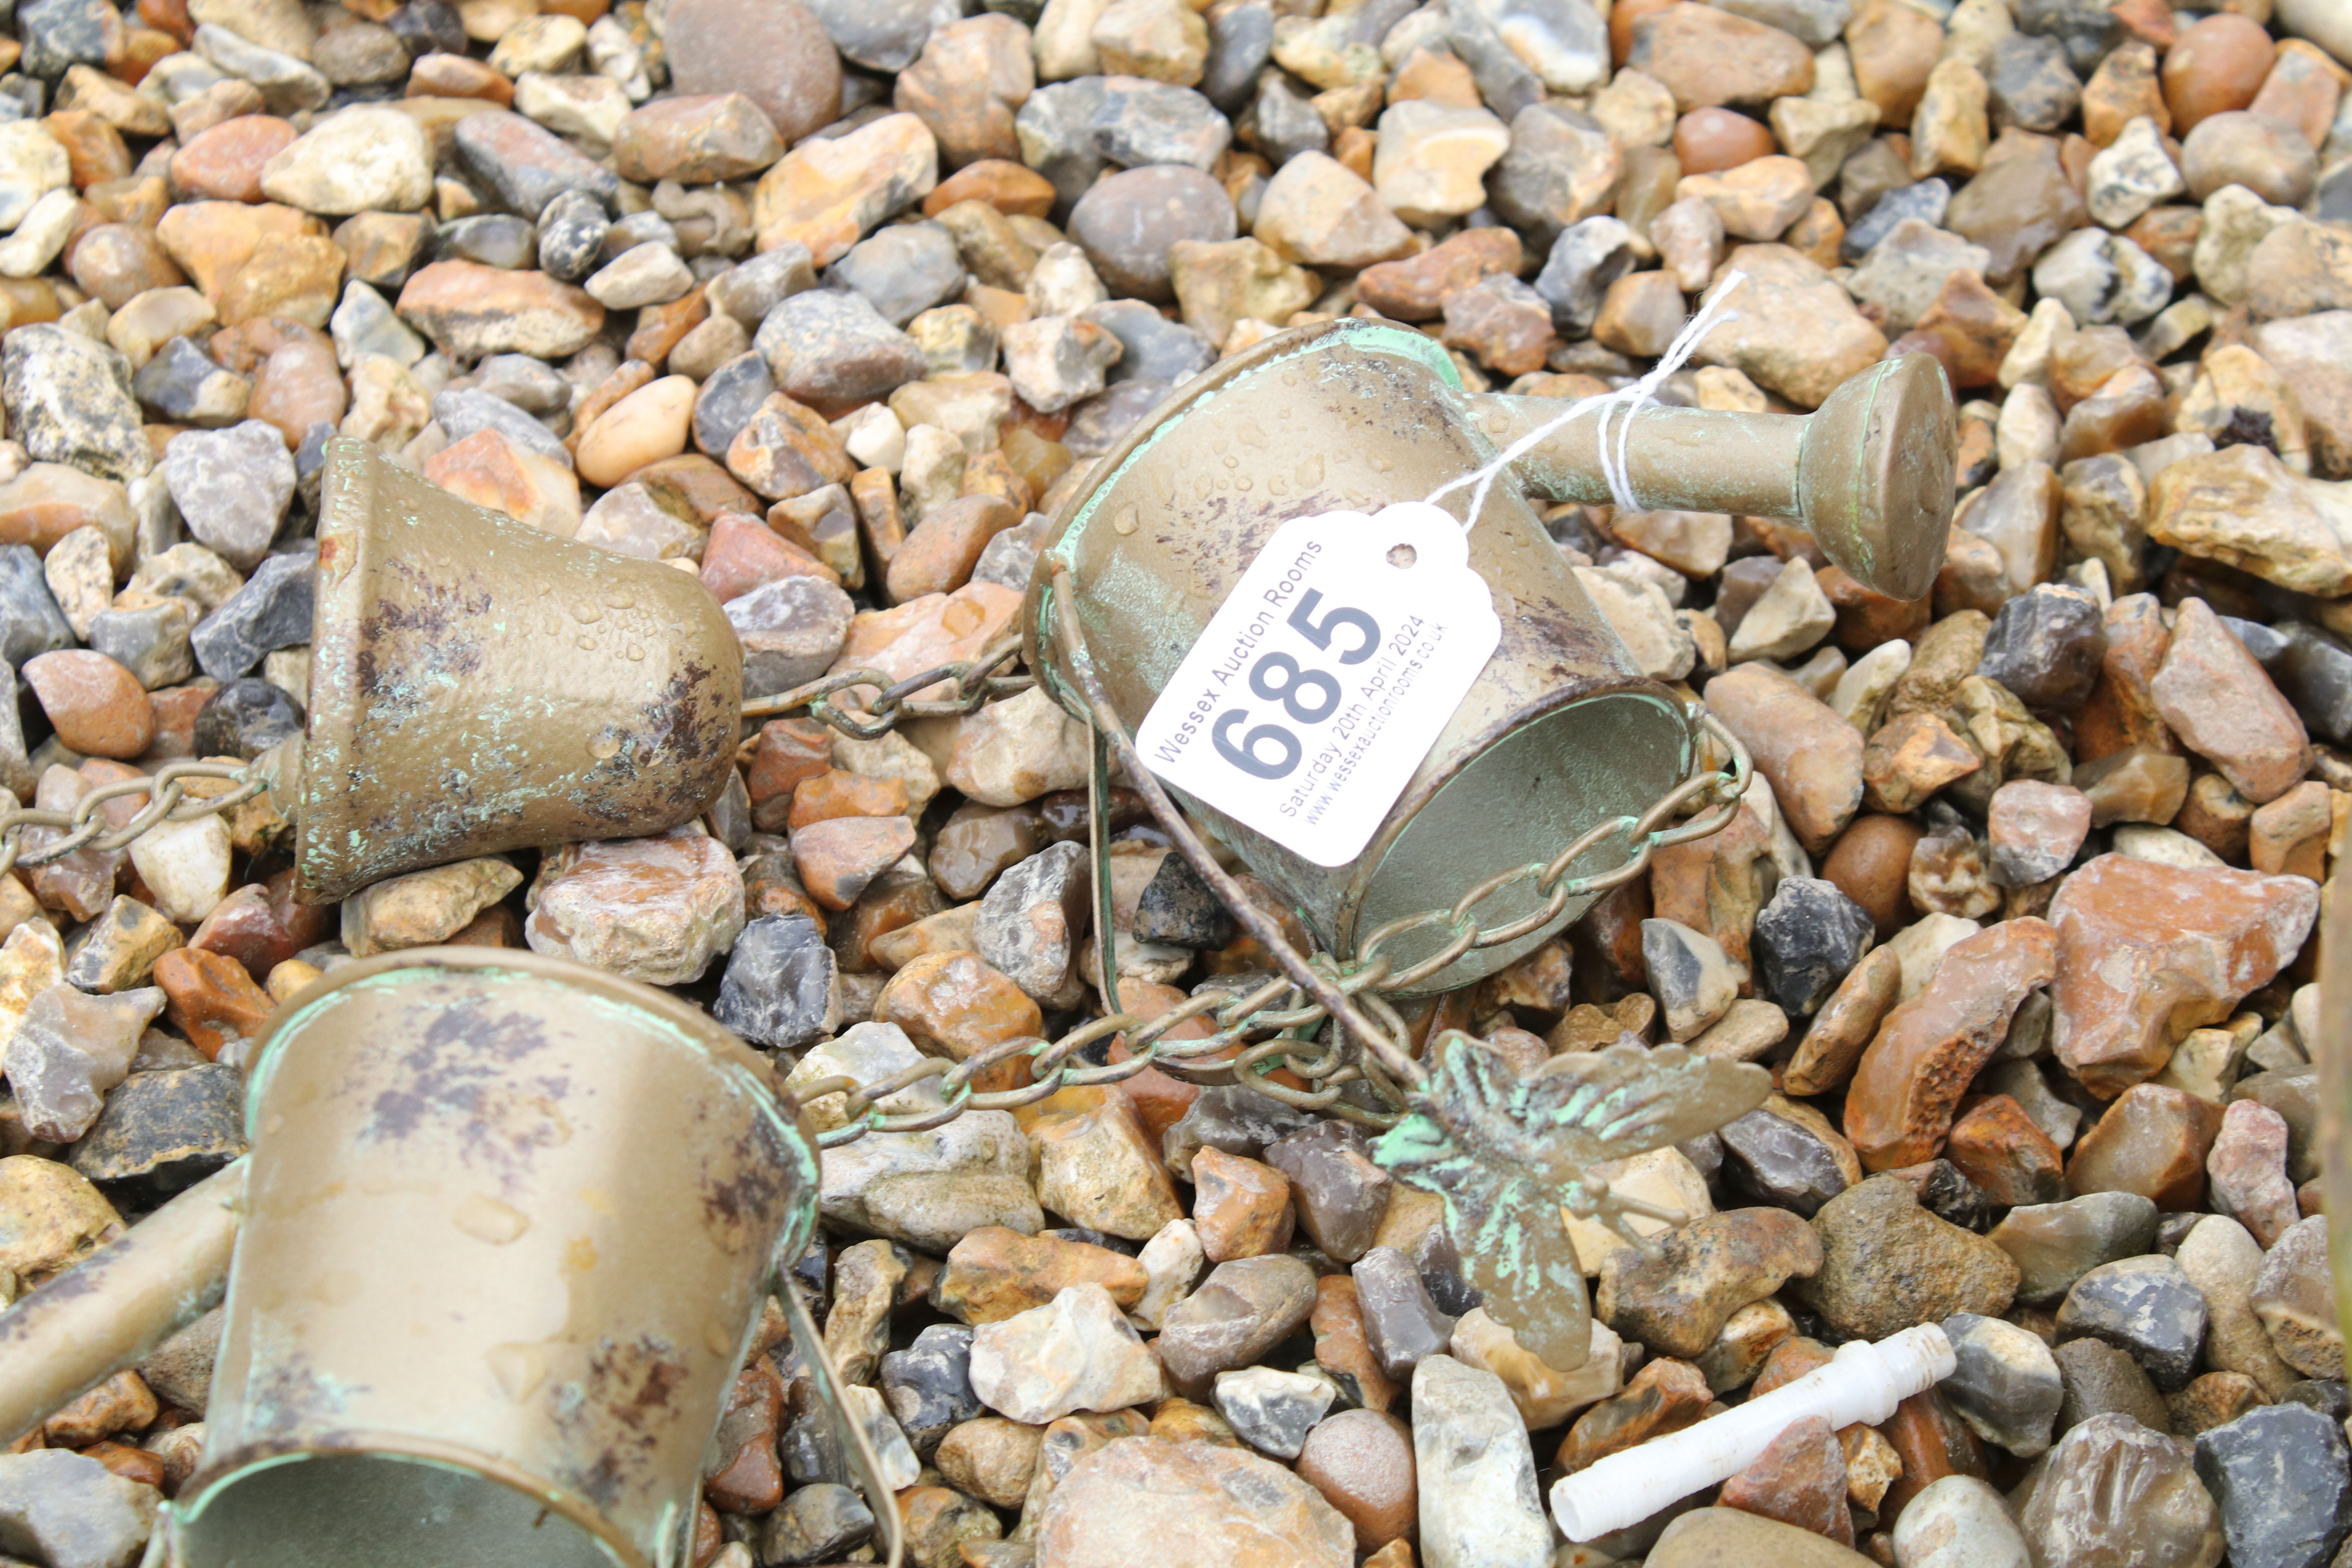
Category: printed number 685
[1308,696]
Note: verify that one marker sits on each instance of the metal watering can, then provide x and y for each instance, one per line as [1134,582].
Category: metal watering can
[1558,732]
[490,1271]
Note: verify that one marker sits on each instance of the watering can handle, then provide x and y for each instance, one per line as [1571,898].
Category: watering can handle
[117,1305]
[867,1464]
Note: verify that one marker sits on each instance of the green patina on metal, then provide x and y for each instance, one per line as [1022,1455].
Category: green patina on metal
[1507,1155]
[1376,336]
[479,685]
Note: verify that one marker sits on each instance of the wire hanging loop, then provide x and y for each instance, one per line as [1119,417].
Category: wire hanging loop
[1253,919]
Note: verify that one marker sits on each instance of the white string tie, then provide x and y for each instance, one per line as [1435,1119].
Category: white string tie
[1630,397]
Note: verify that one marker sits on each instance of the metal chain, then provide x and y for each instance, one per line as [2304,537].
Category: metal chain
[1270,1027]
[1253,1035]
[84,828]
[974,684]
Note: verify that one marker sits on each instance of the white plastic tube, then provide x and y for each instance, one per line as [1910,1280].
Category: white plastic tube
[1864,1383]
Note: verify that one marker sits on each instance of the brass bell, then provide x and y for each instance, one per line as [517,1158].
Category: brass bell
[477,684]
[1559,733]
[491,1268]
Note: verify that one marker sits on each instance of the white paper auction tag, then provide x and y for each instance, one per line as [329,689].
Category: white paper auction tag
[1324,679]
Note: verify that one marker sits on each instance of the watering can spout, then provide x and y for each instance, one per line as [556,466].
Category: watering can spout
[77,1331]
[1870,474]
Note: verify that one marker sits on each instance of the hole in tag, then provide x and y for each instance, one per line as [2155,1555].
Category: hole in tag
[1402,556]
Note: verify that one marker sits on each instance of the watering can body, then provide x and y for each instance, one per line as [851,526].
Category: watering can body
[509,1224]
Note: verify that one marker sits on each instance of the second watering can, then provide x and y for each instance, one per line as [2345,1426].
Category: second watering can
[491,1270]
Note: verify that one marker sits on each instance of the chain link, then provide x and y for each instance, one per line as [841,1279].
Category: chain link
[168,800]
[974,679]
[1270,1028]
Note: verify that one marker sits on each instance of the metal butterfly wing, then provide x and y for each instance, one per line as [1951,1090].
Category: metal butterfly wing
[1507,1153]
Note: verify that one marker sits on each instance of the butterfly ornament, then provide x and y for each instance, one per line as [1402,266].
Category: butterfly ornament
[1510,1155]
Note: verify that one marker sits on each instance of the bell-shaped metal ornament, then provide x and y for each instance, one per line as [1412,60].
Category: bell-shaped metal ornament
[477,684]
[1558,732]
[499,1251]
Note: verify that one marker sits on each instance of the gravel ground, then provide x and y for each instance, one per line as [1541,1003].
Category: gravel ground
[834,305]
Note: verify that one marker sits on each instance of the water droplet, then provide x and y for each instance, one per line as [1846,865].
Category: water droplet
[1127,521]
[585,643]
[604,744]
[519,1369]
[585,613]
[1309,472]
[634,654]
[1232,462]
[484,1218]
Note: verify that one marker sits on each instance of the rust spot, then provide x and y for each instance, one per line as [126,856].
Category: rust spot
[289,1395]
[682,719]
[85,1278]
[743,1190]
[619,1410]
[434,641]
[457,1077]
